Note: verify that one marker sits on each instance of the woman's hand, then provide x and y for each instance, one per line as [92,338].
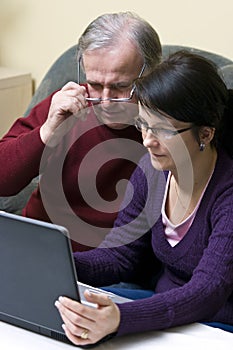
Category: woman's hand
[87,325]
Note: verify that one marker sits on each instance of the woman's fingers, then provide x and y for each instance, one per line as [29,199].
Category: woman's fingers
[85,324]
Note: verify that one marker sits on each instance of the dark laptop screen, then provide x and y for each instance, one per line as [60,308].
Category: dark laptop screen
[36,266]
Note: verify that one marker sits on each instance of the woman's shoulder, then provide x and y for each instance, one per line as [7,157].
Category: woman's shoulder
[224,166]
[220,188]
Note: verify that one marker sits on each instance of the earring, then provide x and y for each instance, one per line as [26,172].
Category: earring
[202,146]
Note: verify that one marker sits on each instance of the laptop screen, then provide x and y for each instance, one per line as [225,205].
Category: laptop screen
[36,267]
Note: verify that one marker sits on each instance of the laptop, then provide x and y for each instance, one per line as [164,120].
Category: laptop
[36,267]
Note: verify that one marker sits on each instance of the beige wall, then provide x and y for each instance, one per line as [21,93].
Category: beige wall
[34,33]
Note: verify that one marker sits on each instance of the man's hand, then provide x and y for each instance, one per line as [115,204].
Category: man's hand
[70,100]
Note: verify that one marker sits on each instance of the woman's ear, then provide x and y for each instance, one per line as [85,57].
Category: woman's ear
[206,134]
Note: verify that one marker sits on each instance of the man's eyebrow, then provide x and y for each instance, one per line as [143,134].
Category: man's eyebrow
[93,82]
[112,85]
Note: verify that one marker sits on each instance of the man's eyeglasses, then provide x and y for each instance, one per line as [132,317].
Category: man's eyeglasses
[96,100]
[160,133]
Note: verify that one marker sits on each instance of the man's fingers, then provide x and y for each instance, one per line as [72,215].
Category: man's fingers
[71,85]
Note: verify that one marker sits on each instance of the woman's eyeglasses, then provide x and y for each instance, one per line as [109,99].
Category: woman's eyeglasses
[160,133]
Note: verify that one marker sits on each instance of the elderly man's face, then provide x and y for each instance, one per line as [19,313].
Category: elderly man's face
[110,73]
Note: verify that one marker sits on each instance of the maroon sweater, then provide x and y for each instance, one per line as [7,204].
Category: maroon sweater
[79,185]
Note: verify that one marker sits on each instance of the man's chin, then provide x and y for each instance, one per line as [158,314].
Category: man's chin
[117,126]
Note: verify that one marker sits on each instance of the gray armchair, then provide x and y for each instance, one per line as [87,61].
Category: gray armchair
[64,69]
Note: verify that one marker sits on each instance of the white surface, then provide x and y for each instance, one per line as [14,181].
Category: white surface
[195,336]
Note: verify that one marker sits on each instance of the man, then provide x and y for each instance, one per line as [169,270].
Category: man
[81,139]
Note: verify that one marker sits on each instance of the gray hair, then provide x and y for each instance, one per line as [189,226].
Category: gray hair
[108,29]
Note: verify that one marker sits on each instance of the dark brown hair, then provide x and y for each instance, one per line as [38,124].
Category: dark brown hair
[188,87]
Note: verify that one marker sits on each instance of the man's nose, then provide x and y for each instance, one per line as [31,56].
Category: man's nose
[107,93]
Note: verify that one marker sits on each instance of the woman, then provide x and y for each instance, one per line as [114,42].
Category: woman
[186,120]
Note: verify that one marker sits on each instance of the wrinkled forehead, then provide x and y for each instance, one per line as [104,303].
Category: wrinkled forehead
[115,58]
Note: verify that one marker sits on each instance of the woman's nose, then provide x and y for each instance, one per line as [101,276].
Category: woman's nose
[149,139]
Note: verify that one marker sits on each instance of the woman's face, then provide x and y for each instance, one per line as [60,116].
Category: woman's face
[171,143]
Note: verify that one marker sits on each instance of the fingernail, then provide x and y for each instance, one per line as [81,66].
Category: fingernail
[60,298]
[57,304]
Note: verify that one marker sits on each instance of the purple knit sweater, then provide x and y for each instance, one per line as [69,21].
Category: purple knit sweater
[194,279]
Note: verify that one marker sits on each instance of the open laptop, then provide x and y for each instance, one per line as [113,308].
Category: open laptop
[36,267]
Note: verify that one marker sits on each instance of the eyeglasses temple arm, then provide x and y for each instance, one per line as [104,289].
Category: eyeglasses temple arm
[78,70]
